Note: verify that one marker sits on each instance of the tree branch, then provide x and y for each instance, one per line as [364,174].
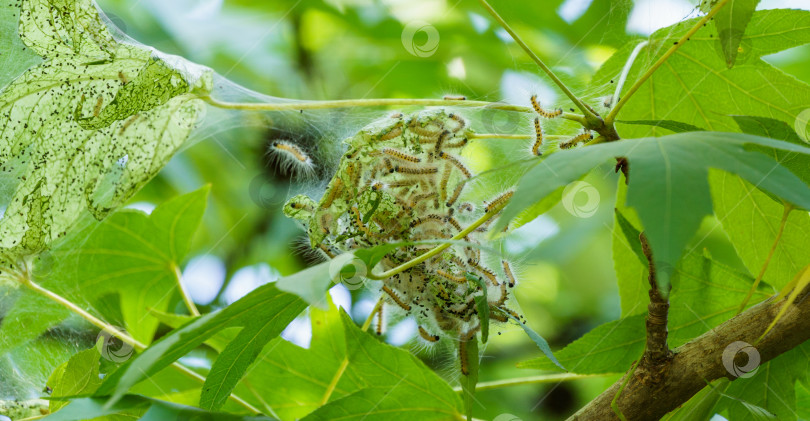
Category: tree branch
[657,351]
[701,361]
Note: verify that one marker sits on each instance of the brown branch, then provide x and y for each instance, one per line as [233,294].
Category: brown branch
[657,351]
[701,360]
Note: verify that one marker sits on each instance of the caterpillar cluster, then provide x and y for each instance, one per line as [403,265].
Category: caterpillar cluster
[403,179]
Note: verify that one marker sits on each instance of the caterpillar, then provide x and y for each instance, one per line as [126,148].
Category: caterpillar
[451,276]
[456,194]
[420,197]
[426,219]
[128,123]
[458,119]
[394,132]
[379,327]
[332,193]
[427,336]
[508,270]
[405,306]
[412,170]
[498,201]
[462,141]
[441,140]
[443,183]
[453,160]
[291,156]
[401,155]
[543,113]
[538,131]
[487,272]
[576,139]
[454,223]
[123,78]
[465,207]
[454,98]
[97,108]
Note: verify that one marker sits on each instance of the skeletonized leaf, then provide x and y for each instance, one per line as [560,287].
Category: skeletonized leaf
[84,129]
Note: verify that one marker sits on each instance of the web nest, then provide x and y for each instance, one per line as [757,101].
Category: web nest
[403,180]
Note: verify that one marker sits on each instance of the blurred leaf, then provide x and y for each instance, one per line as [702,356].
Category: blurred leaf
[731,21]
[91,141]
[751,220]
[701,405]
[266,306]
[672,196]
[31,314]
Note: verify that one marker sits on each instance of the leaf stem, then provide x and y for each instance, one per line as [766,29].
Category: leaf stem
[377,307]
[349,103]
[438,249]
[626,71]
[585,110]
[782,223]
[640,81]
[540,379]
[95,321]
[192,308]
[513,136]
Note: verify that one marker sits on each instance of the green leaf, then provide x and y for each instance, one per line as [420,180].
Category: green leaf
[673,126]
[695,86]
[155,410]
[731,21]
[779,130]
[86,144]
[400,386]
[265,306]
[482,304]
[628,259]
[701,405]
[672,194]
[78,376]
[540,342]
[305,373]
[704,295]
[751,220]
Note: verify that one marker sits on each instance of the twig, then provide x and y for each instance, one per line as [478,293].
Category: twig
[578,102]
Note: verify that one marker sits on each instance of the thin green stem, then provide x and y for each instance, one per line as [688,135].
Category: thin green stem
[782,223]
[614,403]
[519,381]
[438,249]
[513,136]
[350,103]
[377,307]
[95,321]
[640,81]
[585,110]
[628,65]
[192,308]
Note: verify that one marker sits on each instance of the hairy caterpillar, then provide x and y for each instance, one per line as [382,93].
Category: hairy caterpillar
[290,157]
[538,133]
[576,139]
[543,113]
